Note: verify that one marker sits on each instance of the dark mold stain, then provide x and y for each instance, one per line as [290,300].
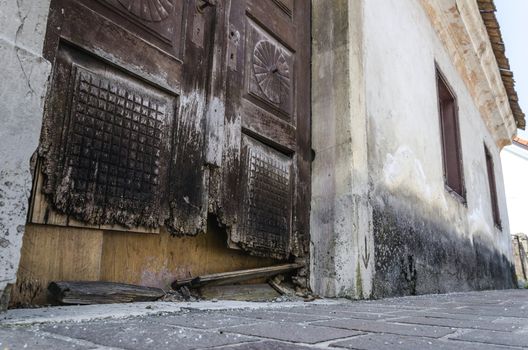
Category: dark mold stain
[416,254]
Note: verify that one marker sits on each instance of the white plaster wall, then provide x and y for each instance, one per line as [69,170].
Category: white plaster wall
[515,168]
[24,79]
[401,48]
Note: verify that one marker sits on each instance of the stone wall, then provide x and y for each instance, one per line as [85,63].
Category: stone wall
[24,80]
[520,256]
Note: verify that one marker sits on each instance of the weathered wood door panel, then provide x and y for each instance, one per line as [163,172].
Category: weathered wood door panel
[156,105]
[266,154]
[123,137]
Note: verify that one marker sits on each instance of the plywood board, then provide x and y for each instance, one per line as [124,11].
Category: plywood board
[55,253]
[158,260]
[52,253]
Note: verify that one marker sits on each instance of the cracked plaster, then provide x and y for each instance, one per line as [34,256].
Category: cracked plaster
[22,29]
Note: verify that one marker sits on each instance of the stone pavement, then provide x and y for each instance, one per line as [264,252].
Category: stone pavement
[477,320]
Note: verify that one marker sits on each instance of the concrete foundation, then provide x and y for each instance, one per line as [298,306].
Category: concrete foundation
[341,235]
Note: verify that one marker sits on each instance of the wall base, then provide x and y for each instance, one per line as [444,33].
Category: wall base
[417,255]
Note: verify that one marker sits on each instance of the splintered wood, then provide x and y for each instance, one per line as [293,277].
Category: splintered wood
[85,293]
[235,276]
[245,292]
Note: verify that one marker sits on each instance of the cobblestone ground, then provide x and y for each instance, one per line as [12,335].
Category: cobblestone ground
[479,320]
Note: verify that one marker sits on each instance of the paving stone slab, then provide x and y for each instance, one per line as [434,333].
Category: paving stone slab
[401,342]
[512,320]
[444,314]
[490,311]
[341,313]
[496,338]
[293,333]
[404,304]
[204,320]
[361,315]
[369,307]
[142,334]
[471,324]
[460,321]
[386,327]
[277,316]
[13,339]
[266,345]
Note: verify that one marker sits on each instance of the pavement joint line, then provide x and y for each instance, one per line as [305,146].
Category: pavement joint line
[290,342]
[320,345]
[256,322]
[264,340]
[394,333]
[486,343]
[231,346]
[324,318]
[459,331]
[326,344]
[206,330]
[215,329]
[76,341]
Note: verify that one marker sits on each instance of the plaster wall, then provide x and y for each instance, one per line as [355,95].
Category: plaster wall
[515,167]
[427,240]
[25,76]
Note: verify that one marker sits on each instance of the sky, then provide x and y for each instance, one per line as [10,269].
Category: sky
[513,20]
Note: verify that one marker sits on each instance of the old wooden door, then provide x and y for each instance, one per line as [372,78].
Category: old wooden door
[162,111]
[123,136]
[267,127]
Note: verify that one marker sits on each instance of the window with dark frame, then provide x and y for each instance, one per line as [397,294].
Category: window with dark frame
[451,153]
[492,187]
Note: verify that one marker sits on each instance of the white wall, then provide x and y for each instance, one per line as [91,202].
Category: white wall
[405,144]
[515,169]
[405,160]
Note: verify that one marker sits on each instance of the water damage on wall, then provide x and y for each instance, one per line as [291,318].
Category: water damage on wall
[418,254]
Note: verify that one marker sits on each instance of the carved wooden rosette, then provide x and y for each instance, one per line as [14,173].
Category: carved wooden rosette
[272,72]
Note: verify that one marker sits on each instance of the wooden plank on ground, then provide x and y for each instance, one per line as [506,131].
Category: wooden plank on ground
[85,293]
[235,276]
[240,292]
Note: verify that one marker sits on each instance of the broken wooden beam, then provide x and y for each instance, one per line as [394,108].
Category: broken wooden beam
[283,290]
[235,276]
[240,292]
[94,292]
